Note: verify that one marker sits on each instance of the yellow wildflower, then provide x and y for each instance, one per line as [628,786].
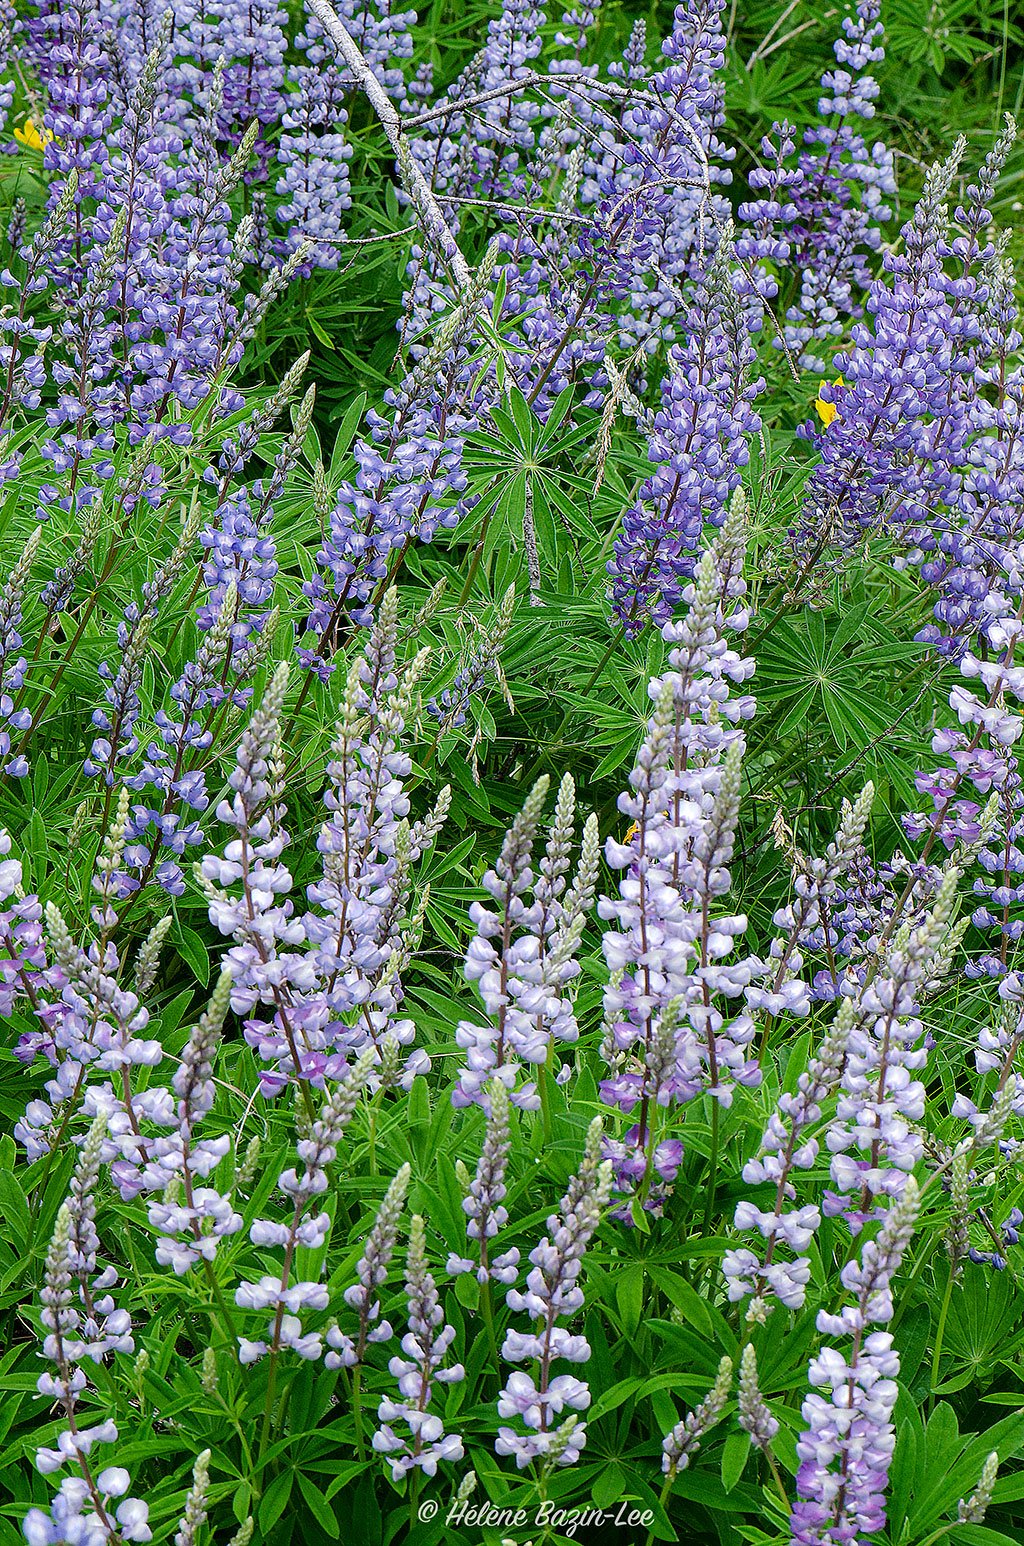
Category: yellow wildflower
[827,411]
[631,834]
[35,138]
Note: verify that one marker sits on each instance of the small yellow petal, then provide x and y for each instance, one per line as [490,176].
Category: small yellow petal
[34,138]
[827,411]
[631,834]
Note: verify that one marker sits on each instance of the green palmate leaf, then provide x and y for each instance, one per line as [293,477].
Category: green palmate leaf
[318,1505]
[735,1454]
[193,950]
[14,1210]
[431,405]
[275,1499]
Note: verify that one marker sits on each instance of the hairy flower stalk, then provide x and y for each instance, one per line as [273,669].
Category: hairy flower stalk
[903,418]
[482,659]
[238,625]
[118,721]
[23,369]
[972,1510]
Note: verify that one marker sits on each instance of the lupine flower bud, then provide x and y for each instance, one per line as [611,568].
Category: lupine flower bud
[679,1446]
[371,1274]
[972,1511]
[147,963]
[483,1203]
[208,1376]
[754,1416]
[195,1504]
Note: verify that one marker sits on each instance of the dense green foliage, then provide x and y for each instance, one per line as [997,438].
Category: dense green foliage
[846,694]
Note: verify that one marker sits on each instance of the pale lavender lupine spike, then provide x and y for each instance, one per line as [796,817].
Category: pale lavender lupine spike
[484,1204]
[523,954]
[358,923]
[192,1225]
[669,943]
[847,1446]
[681,1444]
[807,916]
[371,1273]
[552,1294]
[90,1329]
[316,1149]
[786,1145]
[194,1517]
[874,1140]
[268,962]
[424,1348]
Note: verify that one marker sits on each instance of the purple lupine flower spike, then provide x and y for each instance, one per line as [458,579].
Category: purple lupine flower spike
[484,1204]
[699,441]
[424,1348]
[13,665]
[682,1443]
[820,217]
[82,1323]
[847,1447]
[316,1149]
[552,1294]
[371,1274]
